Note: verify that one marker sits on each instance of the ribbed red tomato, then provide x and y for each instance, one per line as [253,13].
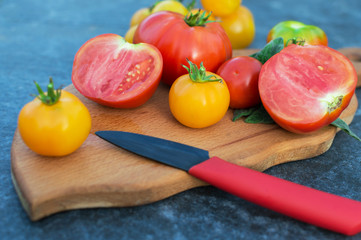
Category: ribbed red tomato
[112,72]
[179,38]
[304,88]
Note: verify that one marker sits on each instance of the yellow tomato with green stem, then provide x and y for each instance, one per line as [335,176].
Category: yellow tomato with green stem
[221,8]
[165,5]
[141,14]
[240,27]
[170,5]
[55,123]
[199,99]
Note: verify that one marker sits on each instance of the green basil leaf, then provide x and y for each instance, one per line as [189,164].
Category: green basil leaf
[256,114]
[273,47]
[344,127]
[238,113]
[260,115]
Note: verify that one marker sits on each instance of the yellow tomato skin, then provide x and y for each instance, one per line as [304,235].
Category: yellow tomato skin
[170,5]
[198,105]
[240,27]
[139,15]
[55,130]
[221,7]
[130,34]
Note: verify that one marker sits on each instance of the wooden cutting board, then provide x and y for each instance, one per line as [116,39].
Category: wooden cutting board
[99,174]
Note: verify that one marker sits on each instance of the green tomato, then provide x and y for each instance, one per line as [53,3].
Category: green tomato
[308,34]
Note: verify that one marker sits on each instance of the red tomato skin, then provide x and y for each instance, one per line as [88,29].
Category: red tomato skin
[177,41]
[88,70]
[324,73]
[241,75]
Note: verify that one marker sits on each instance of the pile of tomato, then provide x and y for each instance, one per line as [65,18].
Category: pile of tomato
[301,82]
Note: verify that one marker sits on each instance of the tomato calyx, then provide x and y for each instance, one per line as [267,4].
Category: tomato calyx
[51,97]
[295,40]
[199,75]
[198,19]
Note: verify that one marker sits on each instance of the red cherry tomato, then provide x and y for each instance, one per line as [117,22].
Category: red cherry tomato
[241,75]
[178,40]
[304,88]
[112,72]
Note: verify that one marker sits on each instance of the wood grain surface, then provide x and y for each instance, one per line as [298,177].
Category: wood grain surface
[99,174]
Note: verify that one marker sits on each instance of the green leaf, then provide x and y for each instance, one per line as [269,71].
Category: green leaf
[260,115]
[256,114]
[273,47]
[238,113]
[344,127]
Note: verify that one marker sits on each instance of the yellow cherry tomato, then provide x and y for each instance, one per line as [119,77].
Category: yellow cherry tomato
[199,104]
[130,34]
[240,27]
[170,5]
[57,129]
[221,8]
[139,16]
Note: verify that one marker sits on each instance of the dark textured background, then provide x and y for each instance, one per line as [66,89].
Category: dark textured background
[39,39]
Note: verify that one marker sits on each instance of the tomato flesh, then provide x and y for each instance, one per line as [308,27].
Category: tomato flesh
[304,88]
[112,72]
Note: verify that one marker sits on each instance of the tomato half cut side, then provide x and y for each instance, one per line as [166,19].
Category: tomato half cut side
[114,73]
[304,88]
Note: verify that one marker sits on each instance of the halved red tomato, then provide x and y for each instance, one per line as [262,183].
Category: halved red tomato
[112,72]
[304,88]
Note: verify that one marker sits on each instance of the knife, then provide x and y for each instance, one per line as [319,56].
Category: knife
[322,209]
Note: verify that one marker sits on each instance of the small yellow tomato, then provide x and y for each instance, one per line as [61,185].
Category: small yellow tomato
[170,5]
[139,16]
[221,8]
[130,34]
[240,27]
[197,102]
[57,129]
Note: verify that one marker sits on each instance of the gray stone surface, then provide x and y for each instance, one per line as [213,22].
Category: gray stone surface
[39,39]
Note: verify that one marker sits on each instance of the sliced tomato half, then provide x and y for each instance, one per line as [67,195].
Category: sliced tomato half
[115,73]
[304,88]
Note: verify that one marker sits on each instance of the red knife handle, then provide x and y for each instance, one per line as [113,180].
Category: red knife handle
[322,209]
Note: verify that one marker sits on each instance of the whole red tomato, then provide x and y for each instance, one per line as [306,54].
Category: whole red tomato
[241,75]
[178,38]
[112,72]
[304,88]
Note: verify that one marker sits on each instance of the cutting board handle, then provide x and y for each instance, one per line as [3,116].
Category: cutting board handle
[306,204]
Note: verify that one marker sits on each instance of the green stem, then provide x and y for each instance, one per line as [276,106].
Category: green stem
[51,97]
[198,19]
[295,41]
[200,75]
